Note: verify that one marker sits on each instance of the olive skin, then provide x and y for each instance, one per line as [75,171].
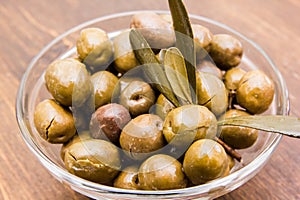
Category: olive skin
[94,48]
[137,97]
[104,84]
[163,106]
[211,92]
[205,160]
[209,67]
[232,78]
[255,92]
[68,81]
[128,178]
[108,121]
[161,172]
[54,123]
[142,136]
[202,39]
[235,136]
[226,51]
[189,123]
[94,160]
[123,53]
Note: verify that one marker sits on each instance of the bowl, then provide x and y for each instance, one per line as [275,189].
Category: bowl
[32,91]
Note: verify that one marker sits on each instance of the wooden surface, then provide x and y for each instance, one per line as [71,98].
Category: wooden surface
[27,26]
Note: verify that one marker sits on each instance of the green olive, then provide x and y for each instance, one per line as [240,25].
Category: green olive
[68,81]
[211,92]
[94,160]
[123,53]
[210,67]
[94,48]
[161,172]
[235,136]
[189,123]
[104,84]
[142,136]
[255,92]
[232,78]
[204,161]
[163,106]
[226,51]
[128,178]
[54,123]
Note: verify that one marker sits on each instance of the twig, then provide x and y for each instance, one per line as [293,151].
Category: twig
[229,150]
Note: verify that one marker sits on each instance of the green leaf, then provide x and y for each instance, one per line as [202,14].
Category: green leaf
[153,69]
[184,41]
[177,75]
[285,125]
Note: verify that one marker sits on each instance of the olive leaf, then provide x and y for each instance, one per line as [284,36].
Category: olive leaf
[153,69]
[184,41]
[177,75]
[285,125]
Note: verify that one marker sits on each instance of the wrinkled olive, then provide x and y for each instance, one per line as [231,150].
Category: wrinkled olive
[104,84]
[235,136]
[54,122]
[205,160]
[108,121]
[142,136]
[68,81]
[226,51]
[161,172]
[255,92]
[94,48]
[94,160]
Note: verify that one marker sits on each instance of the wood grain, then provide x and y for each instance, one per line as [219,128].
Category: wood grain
[27,26]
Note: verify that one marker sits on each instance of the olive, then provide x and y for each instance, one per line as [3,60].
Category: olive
[94,160]
[235,136]
[123,53]
[84,135]
[161,172]
[255,92]
[163,106]
[189,123]
[54,122]
[231,161]
[232,78]
[142,136]
[157,31]
[205,160]
[108,121]
[209,67]
[138,97]
[128,178]
[202,38]
[211,92]
[94,48]
[68,81]
[226,51]
[104,84]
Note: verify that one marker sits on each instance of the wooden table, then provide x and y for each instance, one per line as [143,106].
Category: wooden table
[27,26]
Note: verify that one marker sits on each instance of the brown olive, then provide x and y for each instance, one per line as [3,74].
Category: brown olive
[68,81]
[232,78]
[255,92]
[138,97]
[235,136]
[226,51]
[54,122]
[163,106]
[205,160]
[189,123]
[209,67]
[211,92]
[161,172]
[142,136]
[94,48]
[128,178]
[108,121]
[123,53]
[94,160]
[202,38]
[104,84]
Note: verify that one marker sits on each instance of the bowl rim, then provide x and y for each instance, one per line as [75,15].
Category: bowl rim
[243,173]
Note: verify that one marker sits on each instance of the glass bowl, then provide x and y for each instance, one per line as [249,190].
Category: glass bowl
[32,91]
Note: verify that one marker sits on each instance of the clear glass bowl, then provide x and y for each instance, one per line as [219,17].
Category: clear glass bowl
[32,91]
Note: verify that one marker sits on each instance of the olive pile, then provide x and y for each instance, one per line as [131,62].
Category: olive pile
[118,130]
